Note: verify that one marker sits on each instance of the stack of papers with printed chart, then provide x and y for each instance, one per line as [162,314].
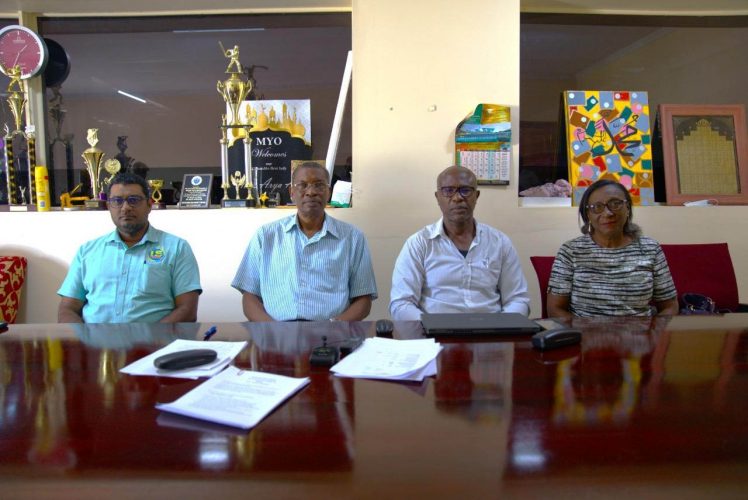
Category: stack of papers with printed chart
[389,359]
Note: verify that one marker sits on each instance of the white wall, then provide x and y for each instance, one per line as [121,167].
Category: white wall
[408,56]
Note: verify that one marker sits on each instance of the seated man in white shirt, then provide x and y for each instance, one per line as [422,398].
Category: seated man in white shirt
[457,265]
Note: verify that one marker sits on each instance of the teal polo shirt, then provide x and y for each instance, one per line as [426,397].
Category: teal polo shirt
[138,284]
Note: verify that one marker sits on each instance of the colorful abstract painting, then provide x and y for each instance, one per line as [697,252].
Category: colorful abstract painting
[609,137]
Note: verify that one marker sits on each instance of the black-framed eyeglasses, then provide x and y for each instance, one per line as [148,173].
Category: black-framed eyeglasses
[449,191]
[316,187]
[118,201]
[614,205]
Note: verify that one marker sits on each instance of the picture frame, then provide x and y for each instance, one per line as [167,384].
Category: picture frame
[705,153]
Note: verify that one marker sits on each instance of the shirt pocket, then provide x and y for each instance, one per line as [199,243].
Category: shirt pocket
[485,274]
[155,279]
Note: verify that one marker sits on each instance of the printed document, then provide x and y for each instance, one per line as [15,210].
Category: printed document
[226,352]
[389,359]
[238,398]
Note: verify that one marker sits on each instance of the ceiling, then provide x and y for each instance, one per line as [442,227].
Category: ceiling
[9,8]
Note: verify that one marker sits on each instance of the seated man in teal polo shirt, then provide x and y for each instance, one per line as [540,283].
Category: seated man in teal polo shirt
[307,266]
[136,273]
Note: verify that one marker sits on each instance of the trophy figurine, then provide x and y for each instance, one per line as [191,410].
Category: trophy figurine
[234,90]
[112,167]
[93,157]
[237,180]
[156,196]
[263,200]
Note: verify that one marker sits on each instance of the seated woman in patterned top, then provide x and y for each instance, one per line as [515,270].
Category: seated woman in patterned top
[612,270]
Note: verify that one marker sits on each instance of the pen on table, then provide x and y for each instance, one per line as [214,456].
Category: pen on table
[211,331]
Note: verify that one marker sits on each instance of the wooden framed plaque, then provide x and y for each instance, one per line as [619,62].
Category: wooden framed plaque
[196,191]
[705,153]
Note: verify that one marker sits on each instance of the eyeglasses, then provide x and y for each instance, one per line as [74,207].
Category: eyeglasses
[118,201]
[316,187]
[449,191]
[614,205]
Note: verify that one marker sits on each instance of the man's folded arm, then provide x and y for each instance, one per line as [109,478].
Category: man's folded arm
[407,282]
[357,310]
[185,308]
[69,310]
[253,308]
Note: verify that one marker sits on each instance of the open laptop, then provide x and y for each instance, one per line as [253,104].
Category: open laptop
[466,324]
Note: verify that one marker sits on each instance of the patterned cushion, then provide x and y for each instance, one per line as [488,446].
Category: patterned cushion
[12,275]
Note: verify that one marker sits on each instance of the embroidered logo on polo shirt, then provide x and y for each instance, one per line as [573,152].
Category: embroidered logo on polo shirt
[156,254]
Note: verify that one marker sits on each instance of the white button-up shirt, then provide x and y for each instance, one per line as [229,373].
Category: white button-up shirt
[431,275]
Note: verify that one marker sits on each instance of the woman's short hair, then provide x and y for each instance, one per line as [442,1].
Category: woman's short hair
[629,229]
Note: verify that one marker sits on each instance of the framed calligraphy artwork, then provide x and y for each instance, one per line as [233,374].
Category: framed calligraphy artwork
[608,136]
[705,153]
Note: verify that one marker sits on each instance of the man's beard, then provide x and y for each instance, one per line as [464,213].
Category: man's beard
[133,228]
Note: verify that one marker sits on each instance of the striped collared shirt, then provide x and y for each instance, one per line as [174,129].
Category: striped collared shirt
[297,277]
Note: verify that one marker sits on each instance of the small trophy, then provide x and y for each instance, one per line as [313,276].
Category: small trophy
[93,157]
[112,167]
[234,90]
[156,196]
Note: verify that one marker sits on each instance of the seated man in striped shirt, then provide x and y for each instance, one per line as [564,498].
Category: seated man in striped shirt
[307,266]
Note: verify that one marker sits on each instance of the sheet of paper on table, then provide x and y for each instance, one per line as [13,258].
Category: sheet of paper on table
[234,397]
[390,359]
[226,352]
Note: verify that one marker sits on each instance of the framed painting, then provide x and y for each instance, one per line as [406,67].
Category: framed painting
[608,136]
[705,154]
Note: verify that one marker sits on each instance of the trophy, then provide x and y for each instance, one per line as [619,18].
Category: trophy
[112,167]
[93,157]
[156,196]
[17,199]
[234,90]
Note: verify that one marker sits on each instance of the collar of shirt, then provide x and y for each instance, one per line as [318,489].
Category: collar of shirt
[149,236]
[437,230]
[328,227]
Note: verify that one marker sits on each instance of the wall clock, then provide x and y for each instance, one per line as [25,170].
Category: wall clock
[20,46]
[58,66]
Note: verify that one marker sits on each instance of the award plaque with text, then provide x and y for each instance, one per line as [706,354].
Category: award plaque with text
[196,191]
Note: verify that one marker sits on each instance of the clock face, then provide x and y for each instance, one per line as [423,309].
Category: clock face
[19,46]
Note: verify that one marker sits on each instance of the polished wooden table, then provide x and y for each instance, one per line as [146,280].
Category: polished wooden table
[642,408]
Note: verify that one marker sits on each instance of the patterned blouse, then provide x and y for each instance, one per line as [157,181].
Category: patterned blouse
[611,281]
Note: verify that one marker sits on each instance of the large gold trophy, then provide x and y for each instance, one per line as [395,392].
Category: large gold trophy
[93,157]
[234,90]
[16,100]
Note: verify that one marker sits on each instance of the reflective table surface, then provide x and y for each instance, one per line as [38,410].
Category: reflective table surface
[646,407]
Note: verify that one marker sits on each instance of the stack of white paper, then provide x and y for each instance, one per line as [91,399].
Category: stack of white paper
[390,359]
[236,397]
[226,352]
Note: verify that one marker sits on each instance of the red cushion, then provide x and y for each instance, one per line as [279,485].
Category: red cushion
[543,267]
[706,269]
[12,275]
